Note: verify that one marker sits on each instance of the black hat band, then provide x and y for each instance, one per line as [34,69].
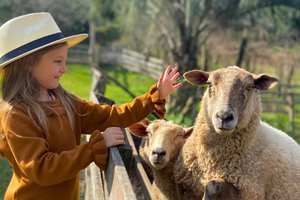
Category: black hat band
[31,46]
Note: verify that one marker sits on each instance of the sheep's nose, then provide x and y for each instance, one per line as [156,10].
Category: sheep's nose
[225,117]
[158,152]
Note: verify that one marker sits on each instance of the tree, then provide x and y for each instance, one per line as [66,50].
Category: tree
[68,16]
[181,27]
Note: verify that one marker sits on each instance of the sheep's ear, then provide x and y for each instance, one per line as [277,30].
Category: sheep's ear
[145,122]
[138,130]
[196,77]
[188,132]
[264,82]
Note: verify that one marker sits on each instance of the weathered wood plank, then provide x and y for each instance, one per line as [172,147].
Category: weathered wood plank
[139,170]
[117,180]
[125,151]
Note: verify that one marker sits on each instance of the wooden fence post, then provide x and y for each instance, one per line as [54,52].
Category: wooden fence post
[290,106]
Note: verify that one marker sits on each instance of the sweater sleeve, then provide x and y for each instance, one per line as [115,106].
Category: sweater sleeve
[103,116]
[32,155]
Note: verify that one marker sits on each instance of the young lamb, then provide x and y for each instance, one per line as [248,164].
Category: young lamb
[230,141]
[220,189]
[161,143]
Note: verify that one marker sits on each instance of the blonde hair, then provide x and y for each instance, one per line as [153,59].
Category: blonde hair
[20,87]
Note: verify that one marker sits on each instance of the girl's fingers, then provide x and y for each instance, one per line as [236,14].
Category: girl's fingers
[119,137]
[175,77]
[167,71]
[119,142]
[177,86]
[173,71]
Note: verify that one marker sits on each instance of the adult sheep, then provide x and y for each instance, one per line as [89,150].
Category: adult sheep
[232,143]
[161,143]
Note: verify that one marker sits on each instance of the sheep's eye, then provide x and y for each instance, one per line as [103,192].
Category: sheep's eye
[149,133]
[249,88]
[180,135]
[209,84]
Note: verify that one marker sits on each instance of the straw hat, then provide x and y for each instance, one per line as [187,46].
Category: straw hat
[26,34]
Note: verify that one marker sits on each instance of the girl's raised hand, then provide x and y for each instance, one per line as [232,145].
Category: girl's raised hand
[113,136]
[165,82]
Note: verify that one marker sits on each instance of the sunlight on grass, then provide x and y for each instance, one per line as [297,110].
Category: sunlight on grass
[77,80]
[134,82]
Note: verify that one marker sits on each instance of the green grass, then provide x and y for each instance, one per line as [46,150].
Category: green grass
[77,80]
[135,83]
[5,176]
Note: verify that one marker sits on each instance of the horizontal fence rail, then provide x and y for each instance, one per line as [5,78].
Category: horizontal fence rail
[130,60]
[282,99]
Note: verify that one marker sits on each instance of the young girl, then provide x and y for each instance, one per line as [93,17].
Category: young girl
[41,123]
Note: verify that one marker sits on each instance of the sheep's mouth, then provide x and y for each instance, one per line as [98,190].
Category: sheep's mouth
[224,131]
[158,165]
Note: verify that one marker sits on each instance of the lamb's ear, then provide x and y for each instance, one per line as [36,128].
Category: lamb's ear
[264,82]
[138,130]
[196,77]
[145,122]
[188,132]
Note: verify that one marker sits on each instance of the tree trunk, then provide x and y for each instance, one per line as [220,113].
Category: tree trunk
[242,48]
[180,103]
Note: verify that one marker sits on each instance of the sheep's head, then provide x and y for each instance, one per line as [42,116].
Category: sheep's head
[231,96]
[163,140]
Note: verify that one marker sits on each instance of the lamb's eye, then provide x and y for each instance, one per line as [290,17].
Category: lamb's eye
[209,84]
[149,133]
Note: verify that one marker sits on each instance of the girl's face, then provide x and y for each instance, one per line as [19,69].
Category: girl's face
[50,68]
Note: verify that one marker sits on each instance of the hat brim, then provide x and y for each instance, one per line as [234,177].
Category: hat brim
[71,41]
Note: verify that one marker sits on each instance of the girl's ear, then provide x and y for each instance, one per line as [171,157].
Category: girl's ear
[30,65]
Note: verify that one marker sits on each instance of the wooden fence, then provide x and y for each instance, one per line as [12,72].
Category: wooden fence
[130,60]
[124,165]
[284,99]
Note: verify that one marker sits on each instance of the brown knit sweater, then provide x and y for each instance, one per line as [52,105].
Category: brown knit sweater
[48,167]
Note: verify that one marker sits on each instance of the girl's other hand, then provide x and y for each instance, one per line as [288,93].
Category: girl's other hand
[113,136]
[165,82]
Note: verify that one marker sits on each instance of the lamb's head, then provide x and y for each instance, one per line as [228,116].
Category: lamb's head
[232,98]
[162,140]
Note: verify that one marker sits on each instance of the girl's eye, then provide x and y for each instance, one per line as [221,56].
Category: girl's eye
[58,61]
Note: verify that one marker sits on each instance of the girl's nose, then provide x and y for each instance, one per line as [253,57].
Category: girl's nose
[63,68]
